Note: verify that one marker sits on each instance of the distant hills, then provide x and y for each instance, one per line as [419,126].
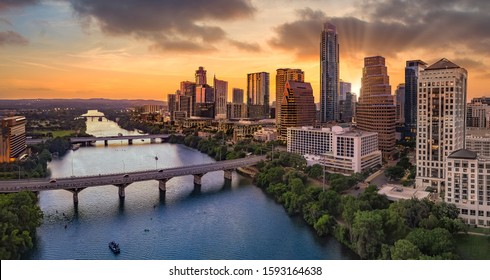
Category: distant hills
[93,103]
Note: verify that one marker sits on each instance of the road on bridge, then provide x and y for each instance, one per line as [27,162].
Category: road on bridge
[124,178]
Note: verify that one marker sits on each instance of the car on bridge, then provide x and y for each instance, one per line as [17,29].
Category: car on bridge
[126,175]
[52,180]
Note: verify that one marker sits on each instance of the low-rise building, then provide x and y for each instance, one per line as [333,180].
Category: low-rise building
[468,186]
[340,150]
[266,134]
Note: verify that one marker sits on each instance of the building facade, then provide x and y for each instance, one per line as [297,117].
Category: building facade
[340,150]
[12,138]
[329,74]
[412,72]
[468,186]
[258,87]
[400,104]
[282,76]
[237,95]
[236,110]
[297,106]
[440,121]
[478,140]
[375,111]
[478,113]
[344,88]
[346,108]
[220,97]
[173,105]
[201,78]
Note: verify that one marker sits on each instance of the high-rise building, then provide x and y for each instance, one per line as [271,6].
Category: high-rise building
[236,110]
[346,108]
[187,98]
[205,103]
[344,88]
[12,138]
[400,103]
[329,74]
[468,186]
[237,95]
[282,76]
[297,106]
[258,95]
[478,112]
[412,73]
[440,120]
[220,97]
[201,76]
[375,111]
[172,105]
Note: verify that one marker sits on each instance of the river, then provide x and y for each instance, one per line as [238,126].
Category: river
[221,221]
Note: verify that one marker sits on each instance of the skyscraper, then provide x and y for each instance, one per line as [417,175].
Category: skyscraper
[172,104]
[297,106]
[282,76]
[344,88]
[375,111]
[187,98]
[329,74]
[201,76]
[400,103]
[220,98]
[412,72]
[440,120]
[237,95]
[258,95]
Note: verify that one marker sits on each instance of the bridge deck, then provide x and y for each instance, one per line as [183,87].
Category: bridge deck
[124,178]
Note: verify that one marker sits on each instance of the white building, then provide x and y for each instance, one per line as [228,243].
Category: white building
[478,141]
[441,119]
[468,186]
[339,149]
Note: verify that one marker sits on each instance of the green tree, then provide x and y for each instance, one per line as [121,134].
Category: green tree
[324,224]
[405,250]
[394,172]
[315,171]
[367,231]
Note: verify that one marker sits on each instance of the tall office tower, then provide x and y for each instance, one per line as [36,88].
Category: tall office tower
[375,111]
[297,106]
[412,73]
[12,138]
[220,98]
[346,108]
[172,105]
[478,113]
[329,74]
[187,98]
[344,88]
[237,95]
[400,103]
[282,76]
[201,76]
[258,95]
[440,120]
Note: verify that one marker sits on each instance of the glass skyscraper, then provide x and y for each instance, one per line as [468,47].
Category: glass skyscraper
[329,74]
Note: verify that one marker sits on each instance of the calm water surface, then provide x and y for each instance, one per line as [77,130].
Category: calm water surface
[219,221]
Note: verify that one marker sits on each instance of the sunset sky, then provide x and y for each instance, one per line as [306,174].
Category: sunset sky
[143,48]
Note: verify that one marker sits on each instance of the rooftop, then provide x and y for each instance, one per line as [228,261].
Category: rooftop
[397,192]
[442,64]
[463,154]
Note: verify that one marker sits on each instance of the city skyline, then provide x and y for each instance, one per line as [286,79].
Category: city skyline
[68,49]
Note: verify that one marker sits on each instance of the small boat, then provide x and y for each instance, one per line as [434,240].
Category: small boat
[114,247]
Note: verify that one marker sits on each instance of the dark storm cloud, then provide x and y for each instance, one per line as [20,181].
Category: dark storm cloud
[12,38]
[394,26]
[6,4]
[169,24]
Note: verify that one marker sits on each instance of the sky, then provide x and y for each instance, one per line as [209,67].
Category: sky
[143,49]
